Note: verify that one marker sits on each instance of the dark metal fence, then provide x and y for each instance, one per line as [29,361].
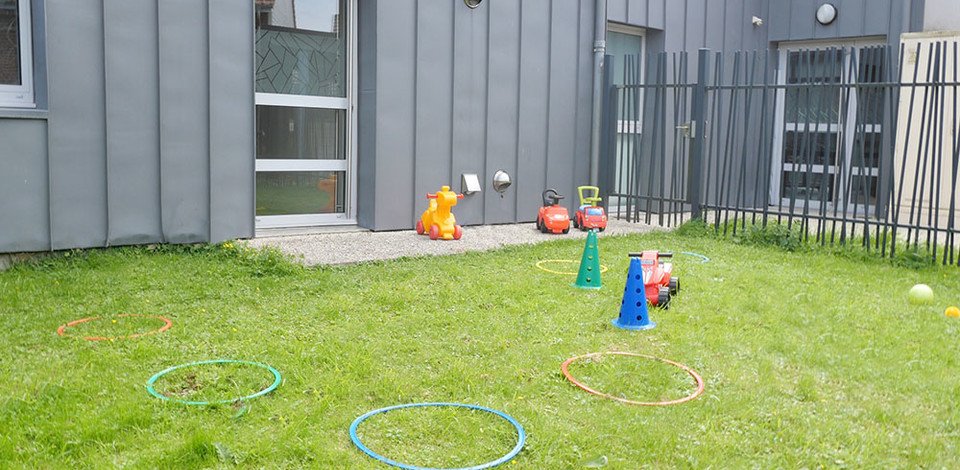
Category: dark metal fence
[846,145]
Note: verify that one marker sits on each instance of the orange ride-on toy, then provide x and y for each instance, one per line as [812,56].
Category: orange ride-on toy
[658,279]
[441,222]
[590,215]
[552,217]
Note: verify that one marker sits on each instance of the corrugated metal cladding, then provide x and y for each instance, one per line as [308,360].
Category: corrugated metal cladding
[150,129]
[725,25]
[446,90]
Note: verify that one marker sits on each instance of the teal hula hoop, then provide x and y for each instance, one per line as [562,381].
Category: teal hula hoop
[703,259]
[521,435]
[155,393]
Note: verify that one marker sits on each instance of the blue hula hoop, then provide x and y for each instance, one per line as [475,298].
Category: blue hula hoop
[521,434]
[272,387]
[703,259]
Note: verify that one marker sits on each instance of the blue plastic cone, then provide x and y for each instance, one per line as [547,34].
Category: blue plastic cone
[634,314]
[588,276]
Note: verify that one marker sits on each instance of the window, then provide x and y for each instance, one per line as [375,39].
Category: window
[829,139]
[16,60]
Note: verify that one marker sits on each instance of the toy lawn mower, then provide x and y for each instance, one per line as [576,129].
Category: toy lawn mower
[552,217]
[659,283]
[441,222]
[590,215]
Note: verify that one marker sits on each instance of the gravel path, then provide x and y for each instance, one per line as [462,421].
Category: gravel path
[357,246]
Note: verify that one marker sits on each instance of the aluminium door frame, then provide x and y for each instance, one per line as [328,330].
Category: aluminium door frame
[780,126]
[348,165]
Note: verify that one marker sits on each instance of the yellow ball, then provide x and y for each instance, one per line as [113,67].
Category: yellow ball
[952,312]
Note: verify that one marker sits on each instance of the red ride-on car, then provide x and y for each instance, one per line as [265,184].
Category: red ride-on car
[552,217]
[590,215]
[658,280]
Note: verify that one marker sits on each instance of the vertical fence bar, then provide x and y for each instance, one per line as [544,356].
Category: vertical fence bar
[697,135]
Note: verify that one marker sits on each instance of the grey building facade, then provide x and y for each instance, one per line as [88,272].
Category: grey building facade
[143,121]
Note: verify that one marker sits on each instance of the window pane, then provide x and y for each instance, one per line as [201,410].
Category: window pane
[814,104]
[866,150]
[863,189]
[9,43]
[300,133]
[797,185]
[300,192]
[811,148]
[301,47]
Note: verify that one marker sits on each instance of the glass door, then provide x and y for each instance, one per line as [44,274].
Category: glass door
[305,123]
[829,139]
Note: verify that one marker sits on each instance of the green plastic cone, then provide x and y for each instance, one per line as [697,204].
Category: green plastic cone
[589,275]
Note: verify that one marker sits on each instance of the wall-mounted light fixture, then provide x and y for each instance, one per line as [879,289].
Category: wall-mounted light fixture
[826,14]
[473,3]
[756,21]
[501,181]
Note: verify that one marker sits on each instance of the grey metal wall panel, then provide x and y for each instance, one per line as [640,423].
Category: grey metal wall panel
[469,104]
[434,99]
[231,120]
[637,11]
[656,12]
[617,10]
[696,21]
[503,88]
[132,126]
[23,186]
[530,179]
[366,110]
[735,21]
[77,150]
[396,46]
[562,105]
[184,119]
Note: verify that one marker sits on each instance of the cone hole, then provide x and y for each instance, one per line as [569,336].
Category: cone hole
[637,277]
[638,290]
[589,268]
[638,304]
[588,279]
[639,317]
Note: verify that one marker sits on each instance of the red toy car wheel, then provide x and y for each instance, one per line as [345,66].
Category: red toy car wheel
[457,232]
[434,232]
[420,228]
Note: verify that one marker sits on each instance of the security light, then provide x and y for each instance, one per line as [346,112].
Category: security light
[826,14]
[473,3]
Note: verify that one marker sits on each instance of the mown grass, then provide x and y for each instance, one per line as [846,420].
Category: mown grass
[810,359]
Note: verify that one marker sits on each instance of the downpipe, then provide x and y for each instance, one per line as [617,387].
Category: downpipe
[599,50]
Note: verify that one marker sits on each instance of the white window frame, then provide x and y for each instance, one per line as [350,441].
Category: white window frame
[848,134]
[348,165]
[21,96]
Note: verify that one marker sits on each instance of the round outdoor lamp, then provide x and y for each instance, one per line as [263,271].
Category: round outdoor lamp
[472,3]
[826,14]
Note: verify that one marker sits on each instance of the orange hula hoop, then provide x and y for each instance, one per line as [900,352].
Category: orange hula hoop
[62,329]
[565,368]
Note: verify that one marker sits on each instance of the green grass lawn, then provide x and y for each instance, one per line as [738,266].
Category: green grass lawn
[810,360]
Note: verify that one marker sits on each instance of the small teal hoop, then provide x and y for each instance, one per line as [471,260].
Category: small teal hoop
[272,387]
[521,435]
[703,259]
